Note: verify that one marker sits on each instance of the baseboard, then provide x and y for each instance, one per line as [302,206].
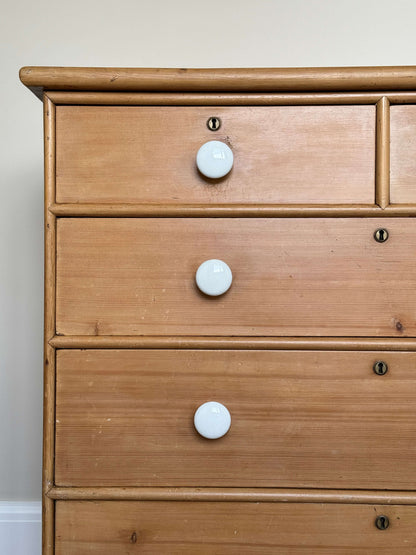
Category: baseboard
[20,527]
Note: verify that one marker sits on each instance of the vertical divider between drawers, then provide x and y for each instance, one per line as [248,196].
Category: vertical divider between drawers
[383,152]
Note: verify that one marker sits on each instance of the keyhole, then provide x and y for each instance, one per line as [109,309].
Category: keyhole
[214,123]
[381,235]
[382,522]
[380,368]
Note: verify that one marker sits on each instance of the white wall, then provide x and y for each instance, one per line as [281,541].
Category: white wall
[134,33]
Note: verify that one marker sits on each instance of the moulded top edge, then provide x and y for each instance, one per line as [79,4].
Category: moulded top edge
[40,79]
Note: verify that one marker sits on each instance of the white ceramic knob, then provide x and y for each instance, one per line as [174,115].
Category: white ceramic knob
[214,159]
[212,420]
[214,277]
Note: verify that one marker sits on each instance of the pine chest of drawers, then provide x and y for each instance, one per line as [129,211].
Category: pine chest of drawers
[230,310]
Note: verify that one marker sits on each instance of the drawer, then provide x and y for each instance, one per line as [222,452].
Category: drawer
[298,419]
[213,528]
[403,154]
[282,154]
[291,277]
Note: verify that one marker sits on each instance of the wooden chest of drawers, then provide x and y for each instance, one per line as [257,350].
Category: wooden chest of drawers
[310,347]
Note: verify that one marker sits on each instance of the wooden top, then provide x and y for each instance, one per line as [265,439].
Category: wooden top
[40,79]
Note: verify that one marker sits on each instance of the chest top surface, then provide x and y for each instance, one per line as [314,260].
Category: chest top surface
[396,78]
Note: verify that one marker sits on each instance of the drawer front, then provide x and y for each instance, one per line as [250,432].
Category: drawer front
[298,419]
[403,154]
[178,528]
[291,277]
[282,154]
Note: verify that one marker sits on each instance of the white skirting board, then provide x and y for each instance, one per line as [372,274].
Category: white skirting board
[20,527]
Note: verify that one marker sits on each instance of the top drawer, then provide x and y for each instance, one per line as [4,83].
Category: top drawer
[403,154]
[282,154]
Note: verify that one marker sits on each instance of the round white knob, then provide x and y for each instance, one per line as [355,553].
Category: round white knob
[212,420]
[214,277]
[214,159]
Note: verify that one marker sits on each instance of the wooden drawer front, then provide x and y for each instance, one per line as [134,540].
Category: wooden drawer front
[282,154]
[299,419]
[403,154]
[291,277]
[177,527]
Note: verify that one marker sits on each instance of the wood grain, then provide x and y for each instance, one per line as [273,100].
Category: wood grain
[48,509]
[227,99]
[224,342]
[226,210]
[403,154]
[179,528]
[299,419]
[282,154]
[219,79]
[254,495]
[233,210]
[219,99]
[383,153]
[297,277]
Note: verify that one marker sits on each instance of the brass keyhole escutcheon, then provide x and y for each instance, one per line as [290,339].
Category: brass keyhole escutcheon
[380,368]
[381,235]
[214,123]
[382,522]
